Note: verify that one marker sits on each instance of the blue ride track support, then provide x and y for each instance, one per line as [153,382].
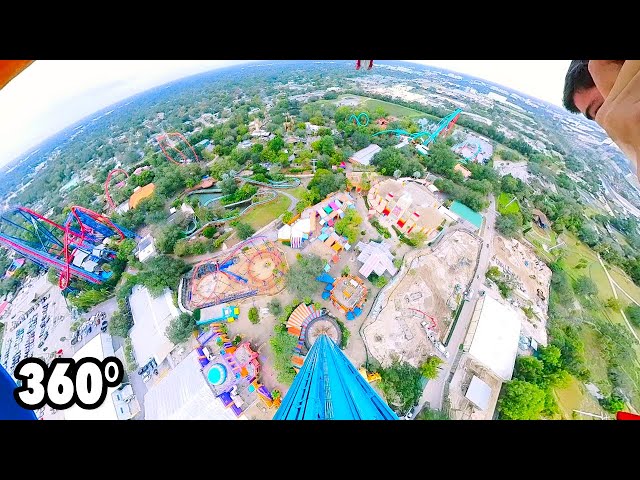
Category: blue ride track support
[356,118]
[328,387]
[9,408]
[97,226]
[234,276]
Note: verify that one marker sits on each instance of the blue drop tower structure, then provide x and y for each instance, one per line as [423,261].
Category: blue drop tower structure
[329,387]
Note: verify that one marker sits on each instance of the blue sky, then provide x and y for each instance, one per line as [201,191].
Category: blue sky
[52,94]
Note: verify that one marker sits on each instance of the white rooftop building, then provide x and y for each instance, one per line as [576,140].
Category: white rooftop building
[375,257]
[365,155]
[146,249]
[151,317]
[495,341]
[119,404]
[185,394]
[479,393]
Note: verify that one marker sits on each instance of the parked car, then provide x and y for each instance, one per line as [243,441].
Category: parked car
[103,327]
[150,366]
[410,414]
[443,350]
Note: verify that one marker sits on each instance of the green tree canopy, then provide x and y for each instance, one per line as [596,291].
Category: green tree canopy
[244,230]
[254,316]
[275,307]
[282,345]
[509,224]
[88,298]
[276,144]
[324,182]
[613,303]
[181,328]
[228,184]
[401,384]
[633,312]
[120,324]
[530,369]
[168,237]
[585,286]
[348,225]
[613,404]
[521,401]
[301,277]
[429,368]
[428,414]
[162,272]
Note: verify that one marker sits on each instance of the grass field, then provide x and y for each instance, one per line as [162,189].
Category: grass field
[503,200]
[575,397]
[397,110]
[260,216]
[579,260]
[297,192]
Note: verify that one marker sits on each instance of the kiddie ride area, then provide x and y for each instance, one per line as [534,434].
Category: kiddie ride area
[347,293]
[75,248]
[232,371]
[253,267]
[219,313]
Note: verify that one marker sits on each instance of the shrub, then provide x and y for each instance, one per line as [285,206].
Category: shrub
[275,307]
[254,316]
[209,231]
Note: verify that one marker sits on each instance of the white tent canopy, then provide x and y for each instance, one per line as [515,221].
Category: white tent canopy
[495,343]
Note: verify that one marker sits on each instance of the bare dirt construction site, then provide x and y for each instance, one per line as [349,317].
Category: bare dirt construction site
[532,278]
[430,285]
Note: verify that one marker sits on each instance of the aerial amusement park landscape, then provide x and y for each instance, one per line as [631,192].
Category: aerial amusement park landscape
[410,242]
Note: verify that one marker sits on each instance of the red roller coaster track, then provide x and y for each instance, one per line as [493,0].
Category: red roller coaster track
[70,236]
[165,137]
[434,324]
[106,185]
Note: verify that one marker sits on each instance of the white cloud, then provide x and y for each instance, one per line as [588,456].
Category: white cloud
[543,79]
[52,94]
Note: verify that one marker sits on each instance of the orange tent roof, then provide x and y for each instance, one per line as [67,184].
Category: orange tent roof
[141,194]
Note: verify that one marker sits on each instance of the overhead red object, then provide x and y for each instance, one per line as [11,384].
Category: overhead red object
[627,416]
[9,69]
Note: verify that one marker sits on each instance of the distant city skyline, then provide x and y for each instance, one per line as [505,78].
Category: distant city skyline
[50,95]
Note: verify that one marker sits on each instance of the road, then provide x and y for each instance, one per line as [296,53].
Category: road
[137,384]
[434,390]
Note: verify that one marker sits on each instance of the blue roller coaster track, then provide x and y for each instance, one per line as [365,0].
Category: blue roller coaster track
[445,124]
[356,118]
[51,245]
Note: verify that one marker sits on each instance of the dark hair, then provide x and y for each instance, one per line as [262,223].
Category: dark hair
[577,78]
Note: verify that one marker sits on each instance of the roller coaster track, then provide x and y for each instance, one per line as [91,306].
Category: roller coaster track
[357,121]
[272,195]
[445,125]
[291,182]
[165,138]
[106,185]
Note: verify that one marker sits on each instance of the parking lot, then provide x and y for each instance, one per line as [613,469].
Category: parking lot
[38,325]
[92,321]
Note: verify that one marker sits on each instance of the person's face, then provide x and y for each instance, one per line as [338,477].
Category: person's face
[588,100]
